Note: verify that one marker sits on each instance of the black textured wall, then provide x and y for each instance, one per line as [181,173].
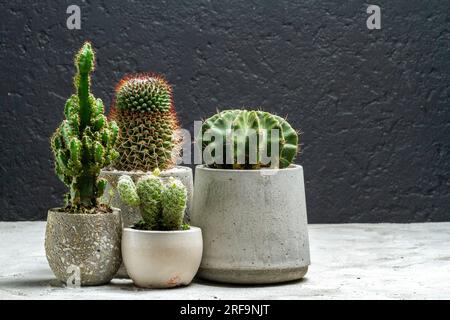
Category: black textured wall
[373,104]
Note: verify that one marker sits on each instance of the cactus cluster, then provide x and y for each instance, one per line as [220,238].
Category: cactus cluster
[162,205]
[144,112]
[231,134]
[84,142]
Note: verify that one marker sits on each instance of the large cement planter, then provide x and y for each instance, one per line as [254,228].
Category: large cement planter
[131,215]
[83,249]
[162,259]
[254,224]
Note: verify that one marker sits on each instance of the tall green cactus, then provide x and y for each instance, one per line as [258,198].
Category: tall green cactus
[84,142]
[162,205]
[228,136]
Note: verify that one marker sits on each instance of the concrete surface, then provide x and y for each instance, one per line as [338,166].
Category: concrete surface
[349,261]
[373,105]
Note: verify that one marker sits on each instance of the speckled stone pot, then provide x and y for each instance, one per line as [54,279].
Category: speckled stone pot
[84,244]
[131,215]
[254,224]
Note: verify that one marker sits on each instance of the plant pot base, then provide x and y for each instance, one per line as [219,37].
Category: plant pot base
[83,247]
[252,276]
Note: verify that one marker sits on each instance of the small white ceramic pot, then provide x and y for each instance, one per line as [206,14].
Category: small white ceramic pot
[131,215]
[162,259]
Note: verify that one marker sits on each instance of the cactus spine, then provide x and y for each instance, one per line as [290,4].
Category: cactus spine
[162,205]
[144,112]
[84,142]
[235,130]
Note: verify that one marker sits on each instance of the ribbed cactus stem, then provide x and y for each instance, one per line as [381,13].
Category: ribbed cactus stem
[257,139]
[86,187]
[85,65]
[173,201]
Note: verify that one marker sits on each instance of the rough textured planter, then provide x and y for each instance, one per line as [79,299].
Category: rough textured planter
[254,224]
[131,215]
[90,242]
[162,259]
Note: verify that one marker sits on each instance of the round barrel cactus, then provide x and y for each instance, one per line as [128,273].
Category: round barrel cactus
[242,139]
[144,112]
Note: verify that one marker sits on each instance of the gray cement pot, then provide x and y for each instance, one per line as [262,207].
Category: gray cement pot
[87,245]
[254,224]
[131,215]
[162,259]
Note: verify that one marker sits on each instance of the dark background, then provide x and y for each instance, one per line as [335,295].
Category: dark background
[373,105]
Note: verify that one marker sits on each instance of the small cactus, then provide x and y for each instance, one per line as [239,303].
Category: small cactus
[144,112]
[84,142]
[162,205]
[234,131]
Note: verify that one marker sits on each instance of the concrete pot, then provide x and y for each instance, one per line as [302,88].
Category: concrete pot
[254,224]
[83,249]
[162,259]
[131,215]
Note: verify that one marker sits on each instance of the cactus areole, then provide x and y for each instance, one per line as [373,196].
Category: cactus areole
[84,142]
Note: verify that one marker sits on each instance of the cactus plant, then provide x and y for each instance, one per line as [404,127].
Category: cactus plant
[162,205]
[84,142]
[144,112]
[235,130]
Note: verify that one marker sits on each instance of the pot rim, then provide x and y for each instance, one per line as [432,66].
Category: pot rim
[191,229]
[57,210]
[292,167]
[172,170]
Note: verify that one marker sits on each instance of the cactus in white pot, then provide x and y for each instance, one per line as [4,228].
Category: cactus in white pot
[159,251]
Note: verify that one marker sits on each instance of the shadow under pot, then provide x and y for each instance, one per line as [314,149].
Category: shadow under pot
[83,249]
[162,259]
[254,224]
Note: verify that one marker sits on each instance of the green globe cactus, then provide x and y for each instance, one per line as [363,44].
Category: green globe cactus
[162,205]
[242,139]
[145,114]
[84,142]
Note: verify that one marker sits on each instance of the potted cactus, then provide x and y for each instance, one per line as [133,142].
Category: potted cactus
[82,240]
[144,112]
[249,199]
[159,251]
